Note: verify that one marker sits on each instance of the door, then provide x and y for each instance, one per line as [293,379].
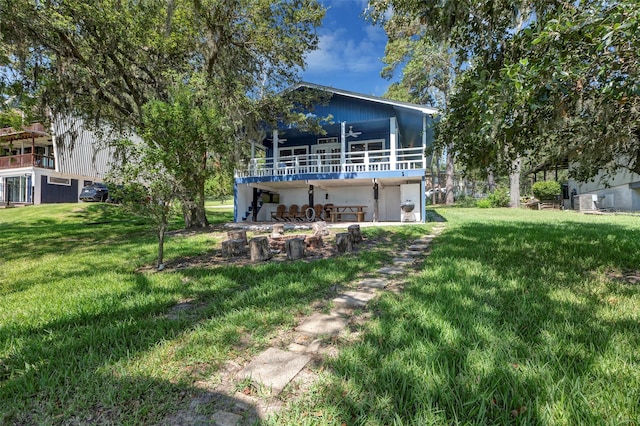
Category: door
[391,204]
[328,157]
[16,189]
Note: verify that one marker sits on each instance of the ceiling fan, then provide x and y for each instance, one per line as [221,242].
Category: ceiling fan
[352,134]
[280,140]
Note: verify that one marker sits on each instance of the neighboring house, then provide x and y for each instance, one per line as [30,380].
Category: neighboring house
[372,158]
[619,192]
[39,165]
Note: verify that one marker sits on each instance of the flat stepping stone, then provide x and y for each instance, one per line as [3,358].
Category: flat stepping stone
[373,283]
[318,324]
[274,368]
[391,270]
[417,247]
[413,254]
[423,240]
[355,299]
[403,260]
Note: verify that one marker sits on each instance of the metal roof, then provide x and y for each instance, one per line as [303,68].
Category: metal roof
[407,105]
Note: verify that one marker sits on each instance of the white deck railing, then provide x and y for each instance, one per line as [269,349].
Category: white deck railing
[354,162]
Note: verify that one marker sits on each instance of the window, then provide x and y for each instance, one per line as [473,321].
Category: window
[358,149]
[287,154]
[58,181]
[327,140]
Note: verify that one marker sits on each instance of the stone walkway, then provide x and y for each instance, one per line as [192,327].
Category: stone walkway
[270,372]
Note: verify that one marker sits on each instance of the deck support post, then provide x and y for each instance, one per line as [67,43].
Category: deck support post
[343,144]
[393,142]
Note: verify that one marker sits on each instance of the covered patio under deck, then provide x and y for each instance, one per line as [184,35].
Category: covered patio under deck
[359,197]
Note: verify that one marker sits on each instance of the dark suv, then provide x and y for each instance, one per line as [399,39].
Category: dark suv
[95,192]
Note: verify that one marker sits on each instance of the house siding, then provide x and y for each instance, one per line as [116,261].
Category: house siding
[371,143]
[79,151]
[52,193]
[618,192]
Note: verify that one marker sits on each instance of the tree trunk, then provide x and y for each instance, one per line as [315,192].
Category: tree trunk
[450,176]
[193,209]
[514,184]
[231,248]
[344,242]
[259,248]
[356,235]
[239,234]
[162,227]
[160,247]
[491,181]
[294,248]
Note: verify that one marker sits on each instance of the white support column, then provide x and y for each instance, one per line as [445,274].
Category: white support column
[253,169]
[54,142]
[424,140]
[393,142]
[343,144]
[276,154]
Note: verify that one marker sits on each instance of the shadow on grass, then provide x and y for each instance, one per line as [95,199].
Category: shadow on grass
[506,323]
[102,356]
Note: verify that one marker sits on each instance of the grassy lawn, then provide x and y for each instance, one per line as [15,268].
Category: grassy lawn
[85,335]
[516,317]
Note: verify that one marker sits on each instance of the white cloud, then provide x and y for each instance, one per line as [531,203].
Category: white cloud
[339,52]
[375,33]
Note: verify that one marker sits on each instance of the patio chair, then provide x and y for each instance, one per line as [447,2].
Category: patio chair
[278,215]
[319,210]
[302,213]
[327,211]
[293,212]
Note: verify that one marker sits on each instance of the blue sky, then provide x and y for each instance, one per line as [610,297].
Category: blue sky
[350,50]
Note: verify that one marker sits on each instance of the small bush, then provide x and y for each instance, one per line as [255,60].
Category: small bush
[466,201]
[499,198]
[546,190]
[483,203]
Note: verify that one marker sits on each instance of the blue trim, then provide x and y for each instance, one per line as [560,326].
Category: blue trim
[235,201]
[332,176]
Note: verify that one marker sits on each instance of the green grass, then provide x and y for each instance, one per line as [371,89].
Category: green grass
[513,319]
[85,335]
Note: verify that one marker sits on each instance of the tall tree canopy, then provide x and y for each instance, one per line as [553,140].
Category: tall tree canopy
[429,69]
[104,60]
[546,80]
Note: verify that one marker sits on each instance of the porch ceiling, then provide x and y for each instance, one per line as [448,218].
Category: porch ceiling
[333,183]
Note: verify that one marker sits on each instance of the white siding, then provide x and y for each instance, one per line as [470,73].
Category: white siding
[613,193]
[79,151]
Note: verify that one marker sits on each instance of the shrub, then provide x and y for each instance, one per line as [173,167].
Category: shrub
[546,190]
[499,198]
[466,201]
[483,203]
